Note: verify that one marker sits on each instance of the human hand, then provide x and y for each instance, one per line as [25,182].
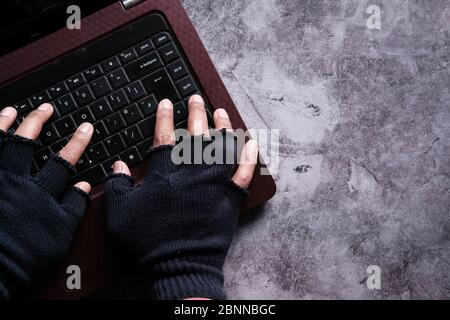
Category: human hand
[38,214]
[180,222]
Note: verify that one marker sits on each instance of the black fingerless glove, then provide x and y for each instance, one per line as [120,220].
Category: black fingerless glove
[37,219]
[178,224]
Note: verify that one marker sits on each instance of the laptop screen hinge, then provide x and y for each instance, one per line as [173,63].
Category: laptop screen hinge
[128,4]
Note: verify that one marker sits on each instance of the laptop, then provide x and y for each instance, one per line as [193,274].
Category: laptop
[112,71]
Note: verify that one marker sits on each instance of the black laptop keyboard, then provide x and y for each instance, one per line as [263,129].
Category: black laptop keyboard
[119,96]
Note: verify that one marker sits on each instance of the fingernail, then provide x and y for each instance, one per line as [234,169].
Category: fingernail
[222,113]
[7,112]
[45,107]
[117,167]
[84,186]
[196,98]
[166,104]
[85,127]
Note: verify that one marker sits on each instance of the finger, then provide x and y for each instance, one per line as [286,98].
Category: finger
[247,164]
[74,203]
[164,129]
[198,120]
[77,144]
[121,167]
[7,117]
[31,126]
[83,186]
[222,120]
[55,176]
[120,182]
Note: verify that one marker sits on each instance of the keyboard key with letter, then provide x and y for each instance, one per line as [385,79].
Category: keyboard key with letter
[161,85]
[143,66]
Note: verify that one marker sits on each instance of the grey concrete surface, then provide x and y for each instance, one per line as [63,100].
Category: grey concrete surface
[364,120]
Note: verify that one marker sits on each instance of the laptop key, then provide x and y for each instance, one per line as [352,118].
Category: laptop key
[65,104]
[57,90]
[181,125]
[20,119]
[114,123]
[143,66]
[48,135]
[169,53]
[100,108]
[144,47]
[65,126]
[147,127]
[117,100]
[161,39]
[108,164]
[131,136]
[159,83]
[180,112]
[42,156]
[93,72]
[127,55]
[100,87]
[40,98]
[83,163]
[114,144]
[75,81]
[23,106]
[135,91]
[111,64]
[177,70]
[117,78]
[83,115]
[97,153]
[131,114]
[148,105]
[83,95]
[100,132]
[144,147]
[57,146]
[94,175]
[186,86]
[131,157]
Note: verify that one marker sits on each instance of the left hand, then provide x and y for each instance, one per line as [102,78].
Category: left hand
[38,214]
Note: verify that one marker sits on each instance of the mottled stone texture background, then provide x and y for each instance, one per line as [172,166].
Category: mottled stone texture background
[364,119]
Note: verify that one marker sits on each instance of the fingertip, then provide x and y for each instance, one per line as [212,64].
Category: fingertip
[8,112]
[166,104]
[164,127]
[247,165]
[197,120]
[196,98]
[7,117]
[252,149]
[83,186]
[46,107]
[221,113]
[222,120]
[86,128]
[121,167]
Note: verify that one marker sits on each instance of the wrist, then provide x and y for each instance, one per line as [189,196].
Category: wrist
[178,279]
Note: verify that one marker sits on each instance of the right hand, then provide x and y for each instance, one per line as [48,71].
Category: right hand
[179,224]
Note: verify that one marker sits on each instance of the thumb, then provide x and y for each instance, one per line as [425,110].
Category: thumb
[75,201]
